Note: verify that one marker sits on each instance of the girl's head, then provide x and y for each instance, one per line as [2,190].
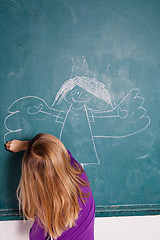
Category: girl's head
[50,185]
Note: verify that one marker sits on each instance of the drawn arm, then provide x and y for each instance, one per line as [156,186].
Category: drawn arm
[117,112]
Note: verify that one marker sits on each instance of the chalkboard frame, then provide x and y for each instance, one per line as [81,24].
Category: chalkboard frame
[107,211]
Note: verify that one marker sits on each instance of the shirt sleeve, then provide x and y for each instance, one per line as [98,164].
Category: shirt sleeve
[37,232]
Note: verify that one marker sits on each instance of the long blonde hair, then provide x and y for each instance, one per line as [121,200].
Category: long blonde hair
[49,186]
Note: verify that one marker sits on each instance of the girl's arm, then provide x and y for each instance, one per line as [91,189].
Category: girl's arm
[16,145]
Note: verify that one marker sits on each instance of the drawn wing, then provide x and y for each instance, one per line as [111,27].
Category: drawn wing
[29,116]
[132,104]
[127,118]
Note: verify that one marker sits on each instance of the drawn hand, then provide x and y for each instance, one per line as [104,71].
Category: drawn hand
[122,113]
[35,109]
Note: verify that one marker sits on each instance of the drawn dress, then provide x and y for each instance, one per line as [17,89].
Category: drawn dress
[76,136]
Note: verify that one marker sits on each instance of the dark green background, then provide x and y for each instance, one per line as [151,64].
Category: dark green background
[120,41]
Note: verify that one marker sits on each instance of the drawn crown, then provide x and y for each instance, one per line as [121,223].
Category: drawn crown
[79,67]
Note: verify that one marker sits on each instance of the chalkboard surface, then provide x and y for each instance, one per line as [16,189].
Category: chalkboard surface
[87,72]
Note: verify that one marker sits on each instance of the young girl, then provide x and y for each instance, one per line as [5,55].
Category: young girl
[54,190]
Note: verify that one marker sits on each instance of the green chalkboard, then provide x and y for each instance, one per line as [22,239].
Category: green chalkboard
[87,72]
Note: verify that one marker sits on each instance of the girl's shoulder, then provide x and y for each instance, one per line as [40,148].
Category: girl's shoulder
[75,163]
[73,160]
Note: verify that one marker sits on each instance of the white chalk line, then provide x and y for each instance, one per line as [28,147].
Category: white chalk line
[64,122]
[118,116]
[92,137]
[88,118]
[80,77]
[28,111]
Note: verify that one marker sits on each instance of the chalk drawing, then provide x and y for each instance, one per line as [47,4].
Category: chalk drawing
[89,106]
[10,74]
[120,112]
[143,157]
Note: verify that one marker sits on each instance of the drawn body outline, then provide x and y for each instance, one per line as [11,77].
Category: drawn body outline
[79,100]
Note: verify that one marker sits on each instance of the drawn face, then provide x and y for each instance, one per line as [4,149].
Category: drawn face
[79,98]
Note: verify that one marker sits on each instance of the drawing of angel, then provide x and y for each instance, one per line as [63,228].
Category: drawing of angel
[81,112]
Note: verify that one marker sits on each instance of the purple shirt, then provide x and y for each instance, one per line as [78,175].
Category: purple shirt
[84,228]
